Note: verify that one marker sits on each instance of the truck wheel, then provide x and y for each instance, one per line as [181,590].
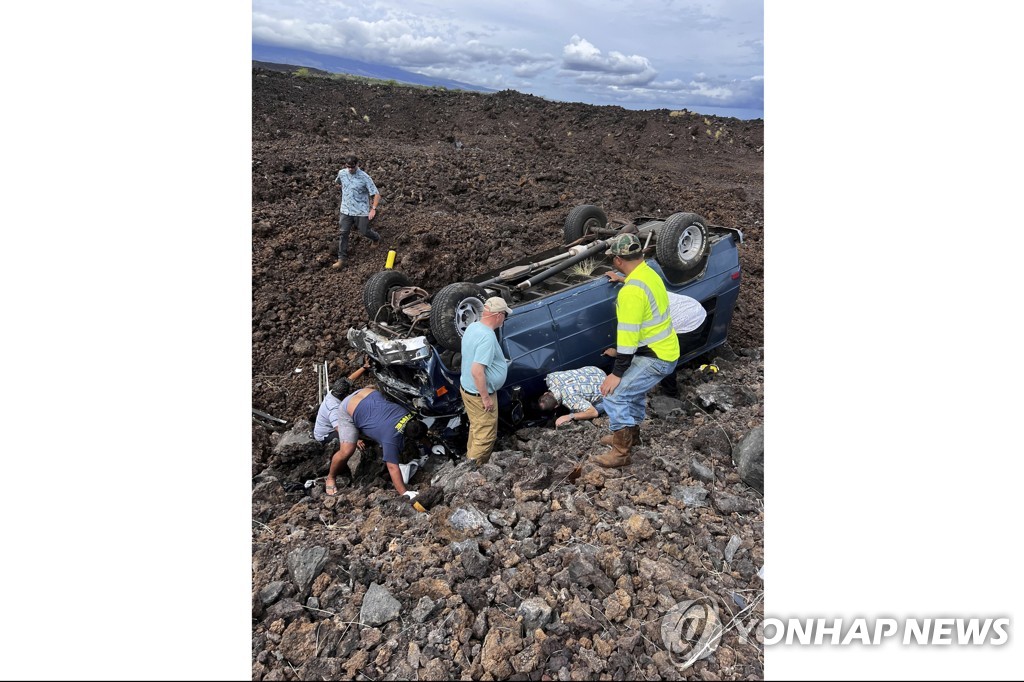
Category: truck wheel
[453,309]
[376,291]
[682,242]
[582,220]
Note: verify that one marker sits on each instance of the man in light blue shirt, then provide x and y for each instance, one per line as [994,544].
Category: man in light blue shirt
[484,369]
[359,199]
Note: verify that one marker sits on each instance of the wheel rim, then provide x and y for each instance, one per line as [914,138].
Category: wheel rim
[591,225]
[690,244]
[466,313]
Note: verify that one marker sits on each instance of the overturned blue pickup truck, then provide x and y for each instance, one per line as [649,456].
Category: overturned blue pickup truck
[563,312]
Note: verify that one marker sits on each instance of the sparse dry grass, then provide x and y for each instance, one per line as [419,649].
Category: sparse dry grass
[584,268]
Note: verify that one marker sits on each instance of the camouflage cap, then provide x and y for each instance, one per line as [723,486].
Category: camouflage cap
[623,245]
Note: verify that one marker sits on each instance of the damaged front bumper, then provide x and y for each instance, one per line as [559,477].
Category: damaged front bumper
[389,351]
[410,372]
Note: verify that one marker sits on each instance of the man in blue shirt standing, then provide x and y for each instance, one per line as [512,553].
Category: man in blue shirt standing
[484,369]
[359,199]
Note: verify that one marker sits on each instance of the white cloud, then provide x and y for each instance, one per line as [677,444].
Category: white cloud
[581,55]
[614,69]
[523,46]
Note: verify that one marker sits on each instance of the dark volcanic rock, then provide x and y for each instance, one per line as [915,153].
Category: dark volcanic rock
[749,458]
[469,181]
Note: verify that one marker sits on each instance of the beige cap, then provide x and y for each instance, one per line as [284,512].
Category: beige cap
[496,304]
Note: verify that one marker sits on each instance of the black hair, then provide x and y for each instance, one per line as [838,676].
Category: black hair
[341,388]
[351,160]
[415,429]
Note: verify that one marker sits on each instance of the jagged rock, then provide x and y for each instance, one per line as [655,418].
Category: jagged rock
[270,490]
[503,518]
[423,609]
[616,606]
[475,563]
[663,406]
[472,521]
[321,669]
[524,529]
[585,572]
[536,478]
[286,609]
[298,643]
[701,472]
[536,614]
[503,641]
[712,441]
[730,549]
[724,397]
[270,593]
[579,615]
[298,440]
[379,606]
[305,564]
[434,670]
[303,347]
[726,503]
[749,458]
[692,496]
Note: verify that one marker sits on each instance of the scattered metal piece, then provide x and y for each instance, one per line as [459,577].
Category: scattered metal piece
[323,382]
[267,419]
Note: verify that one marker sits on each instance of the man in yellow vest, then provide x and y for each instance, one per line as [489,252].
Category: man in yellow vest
[646,348]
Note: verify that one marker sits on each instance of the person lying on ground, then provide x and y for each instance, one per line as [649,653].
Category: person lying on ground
[577,389]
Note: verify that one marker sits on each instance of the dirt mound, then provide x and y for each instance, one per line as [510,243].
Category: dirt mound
[539,565]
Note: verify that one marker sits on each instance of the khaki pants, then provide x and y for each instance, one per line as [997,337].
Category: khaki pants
[483,427]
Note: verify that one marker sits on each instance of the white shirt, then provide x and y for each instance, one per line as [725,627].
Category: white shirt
[687,313]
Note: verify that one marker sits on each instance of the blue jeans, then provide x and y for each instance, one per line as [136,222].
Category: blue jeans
[627,404]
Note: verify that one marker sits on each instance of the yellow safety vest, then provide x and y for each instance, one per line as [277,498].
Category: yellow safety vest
[643,316]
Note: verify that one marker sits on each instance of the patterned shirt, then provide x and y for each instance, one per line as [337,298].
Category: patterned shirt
[577,389]
[356,190]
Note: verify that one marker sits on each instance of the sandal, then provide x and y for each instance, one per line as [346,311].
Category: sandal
[332,490]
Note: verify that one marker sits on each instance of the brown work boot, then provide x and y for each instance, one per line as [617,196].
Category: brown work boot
[609,438]
[612,459]
[622,443]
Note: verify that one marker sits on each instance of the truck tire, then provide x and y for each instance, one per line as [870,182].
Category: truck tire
[581,220]
[453,309]
[682,243]
[376,291]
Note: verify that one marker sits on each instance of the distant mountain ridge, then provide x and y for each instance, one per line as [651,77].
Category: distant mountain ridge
[285,55]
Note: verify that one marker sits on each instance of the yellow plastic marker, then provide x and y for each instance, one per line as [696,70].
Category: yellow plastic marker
[391,260]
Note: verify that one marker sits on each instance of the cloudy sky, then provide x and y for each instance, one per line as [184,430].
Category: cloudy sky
[645,54]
